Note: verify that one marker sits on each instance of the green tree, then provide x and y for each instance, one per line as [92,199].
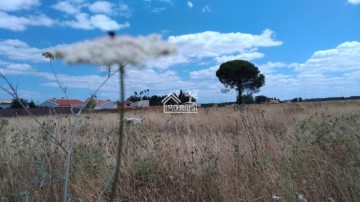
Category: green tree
[183,97]
[248,99]
[91,103]
[241,75]
[142,95]
[155,100]
[32,104]
[261,99]
[15,104]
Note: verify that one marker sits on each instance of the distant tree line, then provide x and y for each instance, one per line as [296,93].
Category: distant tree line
[155,100]
[15,104]
[332,98]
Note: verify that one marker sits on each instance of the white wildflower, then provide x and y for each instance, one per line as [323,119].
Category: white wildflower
[301,197]
[275,198]
[114,50]
[132,120]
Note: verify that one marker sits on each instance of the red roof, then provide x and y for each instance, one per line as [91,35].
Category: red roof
[66,103]
[101,102]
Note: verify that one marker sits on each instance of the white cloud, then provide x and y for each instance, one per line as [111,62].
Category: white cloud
[20,67]
[242,56]
[16,69]
[326,73]
[14,5]
[215,44]
[331,72]
[270,67]
[343,58]
[165,81]
[354,1]
[99,21]
[204,73]
[82,22]
[209,73]
[18,50]
[206,9]
[124,10]
[190,4]
[67,7]
[89,82]
[151,79]
[101,7]
[16,23]
[105,23]
[166,62]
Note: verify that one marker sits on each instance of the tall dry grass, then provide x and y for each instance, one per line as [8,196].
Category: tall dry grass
[219,154]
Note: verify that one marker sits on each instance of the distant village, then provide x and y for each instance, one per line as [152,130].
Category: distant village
[75,103]
[147,101]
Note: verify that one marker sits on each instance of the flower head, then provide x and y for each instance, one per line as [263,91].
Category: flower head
[114,50]
[48,55]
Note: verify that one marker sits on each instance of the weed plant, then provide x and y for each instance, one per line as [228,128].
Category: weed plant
[219,154]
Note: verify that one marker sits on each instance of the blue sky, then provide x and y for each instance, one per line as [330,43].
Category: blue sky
[305,48]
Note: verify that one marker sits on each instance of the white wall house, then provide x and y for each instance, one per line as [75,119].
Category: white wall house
[105,104]
[5,103]
[143,103]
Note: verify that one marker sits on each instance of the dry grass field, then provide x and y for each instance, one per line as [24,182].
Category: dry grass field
[299,152]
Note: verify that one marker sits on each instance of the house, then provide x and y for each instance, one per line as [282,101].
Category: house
[5,103]
[105,104]
[273,101]
[54,103]
[142,103]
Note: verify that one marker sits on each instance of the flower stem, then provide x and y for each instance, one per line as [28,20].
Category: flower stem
[121,132]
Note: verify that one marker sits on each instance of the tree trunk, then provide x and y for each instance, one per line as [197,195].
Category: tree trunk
[240,99]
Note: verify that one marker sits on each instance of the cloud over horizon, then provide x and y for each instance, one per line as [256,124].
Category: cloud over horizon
[355,2]
[15,5]
[16,23]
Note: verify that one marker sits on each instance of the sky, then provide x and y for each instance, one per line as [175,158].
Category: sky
[305,48]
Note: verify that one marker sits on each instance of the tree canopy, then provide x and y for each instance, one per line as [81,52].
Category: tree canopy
[242,76]
[155,100]
[261,99]
[15,104]
[91,103]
